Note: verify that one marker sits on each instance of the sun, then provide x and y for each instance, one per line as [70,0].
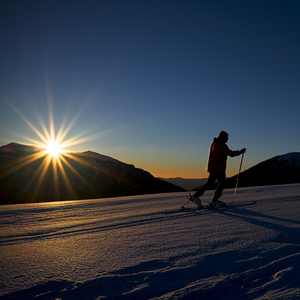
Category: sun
[53,148]
[52,151]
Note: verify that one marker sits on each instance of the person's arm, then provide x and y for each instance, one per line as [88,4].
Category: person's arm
[232,153]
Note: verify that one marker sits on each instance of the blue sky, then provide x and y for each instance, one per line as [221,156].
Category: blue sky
[151,83]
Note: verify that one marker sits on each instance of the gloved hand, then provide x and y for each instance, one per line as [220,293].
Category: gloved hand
[243,150]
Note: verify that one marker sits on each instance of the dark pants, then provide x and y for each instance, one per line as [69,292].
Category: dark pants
[220,177]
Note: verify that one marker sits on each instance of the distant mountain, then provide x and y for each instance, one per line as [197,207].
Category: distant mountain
[188,184]
[281,169]
[27,175]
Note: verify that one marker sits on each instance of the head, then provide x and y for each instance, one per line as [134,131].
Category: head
[223,136]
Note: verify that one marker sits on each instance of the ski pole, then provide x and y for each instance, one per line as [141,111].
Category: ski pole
[237,179]
[186,201]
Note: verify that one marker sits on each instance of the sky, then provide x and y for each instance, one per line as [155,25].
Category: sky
[151,83]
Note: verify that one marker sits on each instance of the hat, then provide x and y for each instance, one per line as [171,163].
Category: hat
[223,135]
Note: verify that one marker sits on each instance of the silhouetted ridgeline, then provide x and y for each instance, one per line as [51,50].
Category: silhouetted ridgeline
[188,184]
[27,177]
[281,169]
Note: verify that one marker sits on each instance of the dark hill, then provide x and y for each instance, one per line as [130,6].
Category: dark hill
[26,175]
[281,169]
[188,184]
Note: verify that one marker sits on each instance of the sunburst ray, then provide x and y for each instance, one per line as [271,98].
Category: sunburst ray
[52,162]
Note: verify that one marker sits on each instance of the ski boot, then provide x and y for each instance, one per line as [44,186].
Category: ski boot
[216,202]
[196,200]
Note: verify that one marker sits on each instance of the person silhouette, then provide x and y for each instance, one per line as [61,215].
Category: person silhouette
[217,169]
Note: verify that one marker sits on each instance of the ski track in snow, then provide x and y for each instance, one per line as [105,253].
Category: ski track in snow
[143,247]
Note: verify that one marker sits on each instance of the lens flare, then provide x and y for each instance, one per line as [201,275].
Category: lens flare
[51,156]
[53,148]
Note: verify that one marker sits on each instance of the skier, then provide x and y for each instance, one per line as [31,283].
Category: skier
[216,167]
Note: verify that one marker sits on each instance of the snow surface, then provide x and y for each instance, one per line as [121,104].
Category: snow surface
[143,247]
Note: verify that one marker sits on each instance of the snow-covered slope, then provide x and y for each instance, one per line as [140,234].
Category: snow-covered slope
[143,247]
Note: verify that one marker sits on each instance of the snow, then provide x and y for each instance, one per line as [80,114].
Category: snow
[290,159]
[143,247]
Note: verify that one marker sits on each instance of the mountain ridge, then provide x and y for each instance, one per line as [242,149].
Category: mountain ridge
[27,176]
[186,183]
[86,175]
[280,169]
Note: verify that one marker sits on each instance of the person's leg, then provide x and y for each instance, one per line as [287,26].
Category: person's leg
[221,177]
[210,182]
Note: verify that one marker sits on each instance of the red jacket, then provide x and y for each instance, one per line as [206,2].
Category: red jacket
[218,156]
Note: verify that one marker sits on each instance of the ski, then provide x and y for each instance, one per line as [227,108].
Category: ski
[209,206]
